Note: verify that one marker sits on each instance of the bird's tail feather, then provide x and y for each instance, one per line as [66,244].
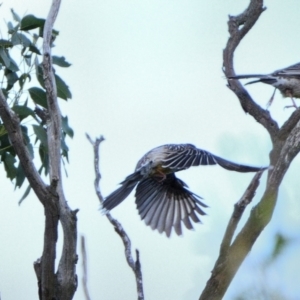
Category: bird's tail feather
[267,80]
[116,197]
[228,165]
[262,78]
[246,76]
[167,204]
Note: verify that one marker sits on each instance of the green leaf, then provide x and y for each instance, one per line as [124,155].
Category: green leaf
[20,39]
[31,22]
[20,176]
[15,16]
[27,58]
[6,43]
[13,66]
[65,126]
[38,96]
[25,194]
[9,165]
[5,145]
[34,49]
[23,111]
[281,243]
[60,61]
[4,57]
[7,60]
[11,77]
[27,140]
[64,148]
[63,145]
[23,78]
[62,89]
[2,130]
[39,72]
[44,158]
[41,134]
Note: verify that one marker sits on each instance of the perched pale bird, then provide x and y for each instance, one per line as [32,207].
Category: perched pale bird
[287,81]
[162,199]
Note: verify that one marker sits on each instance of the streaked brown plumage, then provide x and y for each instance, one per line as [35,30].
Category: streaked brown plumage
[286,80]
[162,199]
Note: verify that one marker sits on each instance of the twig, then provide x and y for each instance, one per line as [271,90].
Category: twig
[84,269]
[239,209]
[134,265]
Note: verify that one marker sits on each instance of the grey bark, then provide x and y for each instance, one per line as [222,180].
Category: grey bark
[286,145]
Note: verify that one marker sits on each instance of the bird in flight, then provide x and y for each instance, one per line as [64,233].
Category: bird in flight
[163,200]
[287,81]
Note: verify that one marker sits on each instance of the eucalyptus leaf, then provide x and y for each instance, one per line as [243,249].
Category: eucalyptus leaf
[38,96]
[60,61]
[31,22]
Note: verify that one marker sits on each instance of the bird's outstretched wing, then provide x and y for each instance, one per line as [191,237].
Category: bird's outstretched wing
[188,156]
[167,203]
[116,197]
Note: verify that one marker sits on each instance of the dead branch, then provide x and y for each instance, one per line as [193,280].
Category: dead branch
[286,145]
[135,265]
[84,268]
[214,286]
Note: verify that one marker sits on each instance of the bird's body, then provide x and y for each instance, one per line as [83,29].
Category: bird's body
[162,199]
[286,80]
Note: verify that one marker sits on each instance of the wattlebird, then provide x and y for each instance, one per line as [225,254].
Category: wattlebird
[162,199]
[287,81]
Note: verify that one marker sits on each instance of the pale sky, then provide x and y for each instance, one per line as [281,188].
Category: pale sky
[146,73]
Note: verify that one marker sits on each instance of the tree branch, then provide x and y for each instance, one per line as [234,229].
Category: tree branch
[286,145]
[134,265]
[238,28]
[215,286]
[46,197]
[84,269]
[12,126]
[66,274]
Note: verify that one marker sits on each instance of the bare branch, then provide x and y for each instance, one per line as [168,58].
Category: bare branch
[215,287]
[84,269]
[286,145]
[54,120]
[134,265]
[231,257]
[289,125]
[38,273]
[239,209]
[238,28]
[66,274]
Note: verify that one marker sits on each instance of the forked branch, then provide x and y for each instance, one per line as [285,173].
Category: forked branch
[286,145]
[135,265]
